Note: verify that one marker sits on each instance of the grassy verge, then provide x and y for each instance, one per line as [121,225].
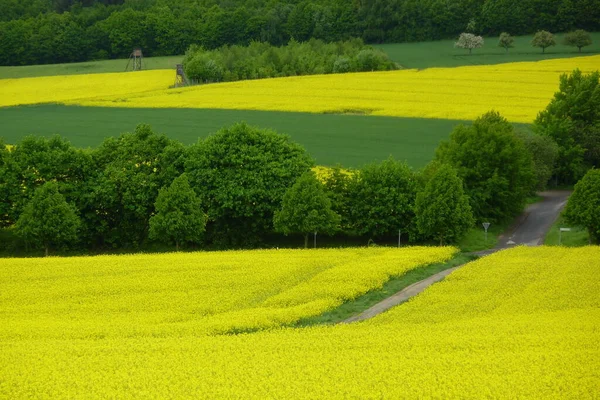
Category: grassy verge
[475,239]
[442,53]
[577,237]
[394,285]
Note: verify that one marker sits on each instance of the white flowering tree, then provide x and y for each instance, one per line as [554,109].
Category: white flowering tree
[469,41]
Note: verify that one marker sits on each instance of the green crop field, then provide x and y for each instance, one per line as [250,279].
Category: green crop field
[350,140]
[443,54]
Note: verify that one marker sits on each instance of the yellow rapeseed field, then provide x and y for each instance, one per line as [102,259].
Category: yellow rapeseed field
[517,90]
[190,294]
[524,323]
[74,88]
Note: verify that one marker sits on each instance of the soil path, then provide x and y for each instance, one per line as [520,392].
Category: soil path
[529,229]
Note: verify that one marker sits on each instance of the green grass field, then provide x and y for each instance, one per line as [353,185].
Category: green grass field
[443,54]
[350,140]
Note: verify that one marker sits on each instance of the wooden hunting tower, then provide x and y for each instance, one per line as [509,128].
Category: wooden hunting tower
[135,59]
[180,76]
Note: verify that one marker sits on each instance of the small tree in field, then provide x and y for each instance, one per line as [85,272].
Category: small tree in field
[442,208]
[305,209]
[543,39]
[506,41]
[583,208]
[578,38]
[48,220]
[469,41]
[179,217]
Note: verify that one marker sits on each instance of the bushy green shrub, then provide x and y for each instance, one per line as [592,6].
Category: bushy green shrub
[261,60]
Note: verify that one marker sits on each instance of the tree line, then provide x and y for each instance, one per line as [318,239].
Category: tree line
[56,31]
[241,185]
[262,60]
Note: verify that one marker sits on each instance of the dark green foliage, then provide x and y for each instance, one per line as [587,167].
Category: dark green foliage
[44,31]
[583,208]
[572,120]
[261,60]
[544,153]
[48,220]
[382,198]
[578,38]
[34,161]
[179,217]
[305,209]
[120,197]
[442,208]
[494,165]
[241,174]
[543,39]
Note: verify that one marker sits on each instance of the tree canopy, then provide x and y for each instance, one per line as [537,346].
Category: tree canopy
[305,209]
[572,120]
[442,207]
[179,217]
[48,220]
[382,197]
[241,174]
[494,165]
[583,207]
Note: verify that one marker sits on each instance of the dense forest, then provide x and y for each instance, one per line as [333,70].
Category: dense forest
[55,31]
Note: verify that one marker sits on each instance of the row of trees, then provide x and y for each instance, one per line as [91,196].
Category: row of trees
[238,186]
[52,31]
[542,39]
[262,60]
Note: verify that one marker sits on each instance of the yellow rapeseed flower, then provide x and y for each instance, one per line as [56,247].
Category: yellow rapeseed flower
[522,323]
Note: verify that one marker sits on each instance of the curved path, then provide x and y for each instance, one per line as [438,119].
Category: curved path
[529,229]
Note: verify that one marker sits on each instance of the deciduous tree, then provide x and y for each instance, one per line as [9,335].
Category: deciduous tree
[506,41]
[543,39]
[469,41]
[241,174]
[583,208]
[442,208]
[179,217]
[578,38]
[494,165]
[572,120]
[305,209]
[382,198]
[48,220]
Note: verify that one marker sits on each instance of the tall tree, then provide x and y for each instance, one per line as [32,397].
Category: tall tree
[241,174]
[572,120]
[583,208]
[305,209]
[382,198]
[120,197]
[442,208]
[48,220]
[494,165]
[469,41]
[179,217]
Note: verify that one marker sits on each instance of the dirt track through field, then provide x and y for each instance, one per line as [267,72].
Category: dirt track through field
[529,229]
